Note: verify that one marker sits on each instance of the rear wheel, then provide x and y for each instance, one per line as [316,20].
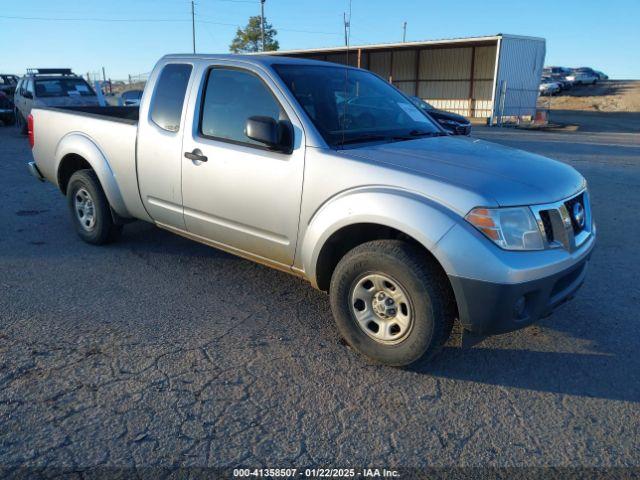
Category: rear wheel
[90,210]
[391,302]
[21,123]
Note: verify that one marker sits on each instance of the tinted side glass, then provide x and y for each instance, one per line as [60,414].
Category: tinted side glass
[168,98]
[30,87]
[231,97]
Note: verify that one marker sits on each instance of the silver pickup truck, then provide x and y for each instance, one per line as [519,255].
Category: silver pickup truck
[332,174]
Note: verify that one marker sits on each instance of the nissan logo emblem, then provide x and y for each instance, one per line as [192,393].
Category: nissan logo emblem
[578,214]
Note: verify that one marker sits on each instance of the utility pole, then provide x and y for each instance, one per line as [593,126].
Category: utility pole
[404,32]
[193,25]
[347,25]
[262,22]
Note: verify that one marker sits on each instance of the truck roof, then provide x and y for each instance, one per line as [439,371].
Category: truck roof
[251,58]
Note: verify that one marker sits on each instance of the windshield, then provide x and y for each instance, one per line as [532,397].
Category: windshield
[63,87]
[132,95]
[350,106]
[8,80]
[418,102]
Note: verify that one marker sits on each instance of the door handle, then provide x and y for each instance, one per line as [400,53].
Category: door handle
[196,156]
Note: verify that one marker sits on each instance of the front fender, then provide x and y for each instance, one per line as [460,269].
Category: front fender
[411,213]
[77,143]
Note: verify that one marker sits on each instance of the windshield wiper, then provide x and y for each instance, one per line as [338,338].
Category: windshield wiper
[413,134]
[366,138]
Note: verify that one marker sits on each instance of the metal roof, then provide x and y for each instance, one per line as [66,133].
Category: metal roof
[420,43]
[266,59]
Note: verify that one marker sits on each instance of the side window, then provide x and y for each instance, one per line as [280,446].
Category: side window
[30,88]
[231,97]
[18,87]
[168,98]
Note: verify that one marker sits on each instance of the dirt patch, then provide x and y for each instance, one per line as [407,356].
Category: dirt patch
[607,96]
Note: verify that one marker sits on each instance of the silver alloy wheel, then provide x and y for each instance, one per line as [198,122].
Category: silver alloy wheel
[381,308]
[85,209]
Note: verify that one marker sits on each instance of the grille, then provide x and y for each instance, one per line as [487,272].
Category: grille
[569,204]
[558,226]
[548,227]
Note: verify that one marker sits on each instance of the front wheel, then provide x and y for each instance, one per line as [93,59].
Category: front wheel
[392,302]
[90,210]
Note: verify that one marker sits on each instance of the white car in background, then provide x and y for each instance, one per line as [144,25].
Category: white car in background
[549,87]
[583,76]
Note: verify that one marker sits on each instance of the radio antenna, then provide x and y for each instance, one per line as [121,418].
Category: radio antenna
[347,39]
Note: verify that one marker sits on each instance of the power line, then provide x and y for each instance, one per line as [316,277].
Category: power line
[152,20]
[201,17]
[94,19]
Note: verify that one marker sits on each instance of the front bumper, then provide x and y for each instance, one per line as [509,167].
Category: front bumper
[498,290]
[486,307]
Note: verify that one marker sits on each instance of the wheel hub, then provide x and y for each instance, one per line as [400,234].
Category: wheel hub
[85,209]
[381,308]
[384,306]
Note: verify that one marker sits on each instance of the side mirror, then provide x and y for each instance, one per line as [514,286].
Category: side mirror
[275,135]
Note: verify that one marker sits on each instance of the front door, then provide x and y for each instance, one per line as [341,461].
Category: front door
[244,196]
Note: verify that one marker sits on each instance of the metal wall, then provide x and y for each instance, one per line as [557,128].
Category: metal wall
[519,73]
[457,76]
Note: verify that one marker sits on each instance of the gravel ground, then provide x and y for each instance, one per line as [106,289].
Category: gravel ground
[157,351]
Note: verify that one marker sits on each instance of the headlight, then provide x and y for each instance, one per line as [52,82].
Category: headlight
[513,228]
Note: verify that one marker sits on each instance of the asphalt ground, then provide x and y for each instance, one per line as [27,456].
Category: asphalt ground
[157,351]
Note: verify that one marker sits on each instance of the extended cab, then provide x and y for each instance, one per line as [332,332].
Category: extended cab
[405,226]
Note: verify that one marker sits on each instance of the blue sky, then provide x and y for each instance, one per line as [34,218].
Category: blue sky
[605,35]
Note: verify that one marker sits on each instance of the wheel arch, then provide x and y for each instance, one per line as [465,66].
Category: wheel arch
[370,214]
[76,152]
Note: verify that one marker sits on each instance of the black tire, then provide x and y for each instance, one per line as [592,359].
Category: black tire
[426,286]
[21,123]
[103,229]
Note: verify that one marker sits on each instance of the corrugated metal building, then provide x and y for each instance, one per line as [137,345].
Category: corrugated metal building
[476,77]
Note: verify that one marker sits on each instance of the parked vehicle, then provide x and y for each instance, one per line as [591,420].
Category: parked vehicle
[6,110]
[130,98]
[548,86]
[51,87]
[601,76]
[451,122]
[583,76]
[8,84]
[558,75]
[405,226]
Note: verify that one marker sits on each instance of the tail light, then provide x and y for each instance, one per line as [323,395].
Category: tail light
[32,139]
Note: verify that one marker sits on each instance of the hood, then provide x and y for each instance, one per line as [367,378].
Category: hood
[507,175]
[441,114]
[78,101]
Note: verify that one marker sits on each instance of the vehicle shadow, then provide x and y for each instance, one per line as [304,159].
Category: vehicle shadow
[596,375]
[598,122]
[603,369]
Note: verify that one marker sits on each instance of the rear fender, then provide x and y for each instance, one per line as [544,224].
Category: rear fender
[77,143]
[414,215]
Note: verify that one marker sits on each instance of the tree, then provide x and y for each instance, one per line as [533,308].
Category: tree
[249,39]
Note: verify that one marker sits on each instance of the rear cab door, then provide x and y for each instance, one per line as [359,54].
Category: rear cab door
[244,197]
[159,147]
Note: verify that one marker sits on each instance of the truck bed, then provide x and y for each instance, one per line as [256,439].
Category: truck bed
[124,114]
[107,134]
